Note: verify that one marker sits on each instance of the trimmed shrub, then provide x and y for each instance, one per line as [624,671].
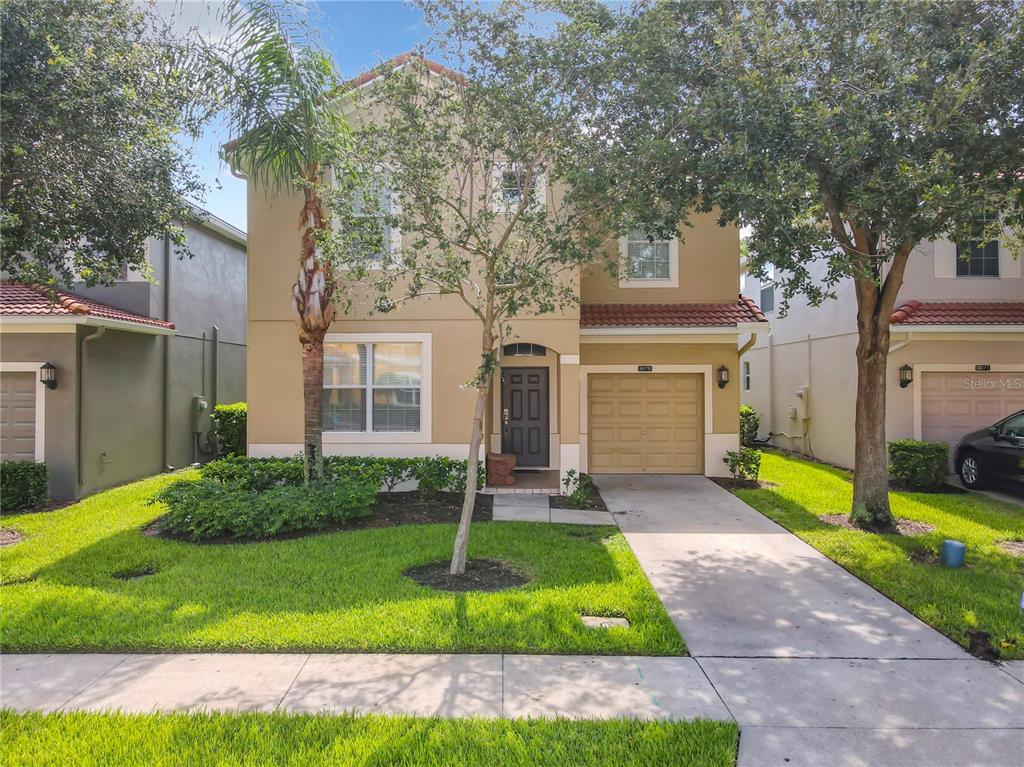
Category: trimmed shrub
[744,463]
[919,464]
[229,422]
[433,474]
[578,488]
[207,509]
[750,423]
[23,484]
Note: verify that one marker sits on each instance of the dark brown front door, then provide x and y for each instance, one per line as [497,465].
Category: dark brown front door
[524,415]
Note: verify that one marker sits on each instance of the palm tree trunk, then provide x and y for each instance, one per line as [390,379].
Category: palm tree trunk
[314,310]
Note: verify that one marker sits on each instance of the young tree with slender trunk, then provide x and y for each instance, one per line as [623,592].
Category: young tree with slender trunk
[841,134]
[475,152]
[278,84]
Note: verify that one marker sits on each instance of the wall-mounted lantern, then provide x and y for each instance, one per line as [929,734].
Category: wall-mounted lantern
[48,375]
[906,376]
[723,376]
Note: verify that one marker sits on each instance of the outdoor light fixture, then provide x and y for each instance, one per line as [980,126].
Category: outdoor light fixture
[906,376]
[48,375]
[723,376]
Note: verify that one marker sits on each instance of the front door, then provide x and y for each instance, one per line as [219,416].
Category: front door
[524,415]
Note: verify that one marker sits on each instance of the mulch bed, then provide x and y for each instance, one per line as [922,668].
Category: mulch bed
[905,526]
[730,483]
[480,575]
[9,537]
[594,501]
[1016,548]
[391,510]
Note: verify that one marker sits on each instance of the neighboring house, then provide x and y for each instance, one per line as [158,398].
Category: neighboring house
[957,335]
[130,361]
[641,377]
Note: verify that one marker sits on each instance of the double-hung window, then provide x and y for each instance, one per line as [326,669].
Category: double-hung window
[372,205]
[977,258]
[373,387]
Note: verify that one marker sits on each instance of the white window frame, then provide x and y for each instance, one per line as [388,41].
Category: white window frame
[498,203]
[393,236]
[767,283]
[426,401]
[746,375]
[672,281]
[40,414]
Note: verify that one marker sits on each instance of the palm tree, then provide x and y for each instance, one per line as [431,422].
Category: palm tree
[277,83]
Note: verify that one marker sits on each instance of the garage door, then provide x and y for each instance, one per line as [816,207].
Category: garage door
[953,404]
[646,424]
[18,416]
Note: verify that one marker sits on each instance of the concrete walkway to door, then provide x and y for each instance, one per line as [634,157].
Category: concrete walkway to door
[816,666]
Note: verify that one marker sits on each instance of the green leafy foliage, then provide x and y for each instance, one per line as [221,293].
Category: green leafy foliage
[23,484]
[434,473]
[229,426]
[919,464]
[744,463]
[750,424]
[578,488]
[91,97]
[206,509]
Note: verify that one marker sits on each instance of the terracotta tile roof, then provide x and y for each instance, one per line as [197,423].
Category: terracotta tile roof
[33,301]
[670,315]
[397,61]
[959,313]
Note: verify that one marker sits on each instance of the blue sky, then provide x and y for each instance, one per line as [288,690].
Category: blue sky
[359,33]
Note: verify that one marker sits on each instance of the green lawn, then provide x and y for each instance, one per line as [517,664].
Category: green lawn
[338,592]
[985,595]
[158,740]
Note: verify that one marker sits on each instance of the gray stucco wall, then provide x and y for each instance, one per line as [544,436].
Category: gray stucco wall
[60,426]
[121,408]
[204,296]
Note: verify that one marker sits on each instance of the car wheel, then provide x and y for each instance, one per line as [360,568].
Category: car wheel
[970,471]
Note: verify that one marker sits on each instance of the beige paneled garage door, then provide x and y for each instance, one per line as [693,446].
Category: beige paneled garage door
[18,416]
[646,424]
[953,404]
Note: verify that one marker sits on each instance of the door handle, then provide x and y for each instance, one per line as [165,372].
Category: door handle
[505,419]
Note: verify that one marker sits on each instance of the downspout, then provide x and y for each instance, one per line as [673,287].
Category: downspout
[165,416]
[746,347]
[80,401]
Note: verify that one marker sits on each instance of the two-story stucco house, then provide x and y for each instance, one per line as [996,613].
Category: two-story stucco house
[640,377]
[956,362]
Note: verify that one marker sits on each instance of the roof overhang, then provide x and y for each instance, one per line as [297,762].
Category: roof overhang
[957,328]
[64,323]
[706,334]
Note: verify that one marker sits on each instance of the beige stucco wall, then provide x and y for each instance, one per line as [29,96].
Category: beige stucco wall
[828,367]
[709,267]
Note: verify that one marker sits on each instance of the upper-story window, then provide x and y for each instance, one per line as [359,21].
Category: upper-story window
[647,261]
[977,258]
[768,289]
[384,204]
[512,183]
[372,387]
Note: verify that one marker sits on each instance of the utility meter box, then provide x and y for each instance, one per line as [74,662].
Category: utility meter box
[803,403]
[199,408]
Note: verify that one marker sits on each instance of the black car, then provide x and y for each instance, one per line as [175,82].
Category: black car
[994,454]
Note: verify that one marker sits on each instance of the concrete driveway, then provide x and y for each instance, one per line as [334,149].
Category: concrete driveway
[816,666]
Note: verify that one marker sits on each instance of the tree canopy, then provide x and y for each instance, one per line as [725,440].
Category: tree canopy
[91,99]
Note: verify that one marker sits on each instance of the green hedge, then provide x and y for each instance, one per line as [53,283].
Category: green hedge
[206,509]
[229,423]
[23,484]
[919,464]
[433,474]
[750,424]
